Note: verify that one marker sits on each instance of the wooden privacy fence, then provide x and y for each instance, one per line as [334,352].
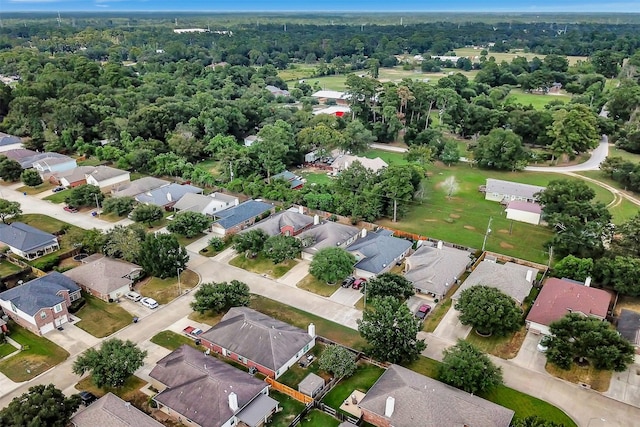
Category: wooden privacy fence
[300,397]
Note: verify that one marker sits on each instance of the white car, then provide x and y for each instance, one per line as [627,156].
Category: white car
[149,302]
[134,296]
[542,348]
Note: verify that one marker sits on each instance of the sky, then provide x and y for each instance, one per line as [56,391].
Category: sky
[319,6]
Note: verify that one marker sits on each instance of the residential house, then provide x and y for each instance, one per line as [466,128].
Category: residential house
[559,297]
[295,182]
[528,212]
[9,142]
[41,305]
[331,96]
[377,252]
[112,411]
[433,269]
[71,178]
[629,327]
[104,177]
[288,223]
[207,205]
[276,91]
[249,140]
[404,398]
[45,163]
[239,217]
[501,191]
[345,161]
[200,390]
[27,241]
[257,340]
[167,195]
[328,234]
[333,110]
[105,278]
[139,186]
[510,278]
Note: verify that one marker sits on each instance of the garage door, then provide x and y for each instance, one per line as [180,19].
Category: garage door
[46,328]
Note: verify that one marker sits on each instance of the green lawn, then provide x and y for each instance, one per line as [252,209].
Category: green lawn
[296,72]
[311,284]
[91,161]
[39,355]
[44,222]
[433,320]
[315,177]
[509,56]
[364,377]
[46,185]
[6,349]
[166,290]
[301,319]
[623,212]
[7,268]
[537,101]
[388,156]
[295,374]
[59,196]
[317,418]
[505,347]
[211,165]
[290,408]
[100,318]
[329,82]
[186,241]
[618,152]
[171,340]
[523,404]
[261,265]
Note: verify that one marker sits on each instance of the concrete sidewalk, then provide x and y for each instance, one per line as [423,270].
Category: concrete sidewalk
[296,274]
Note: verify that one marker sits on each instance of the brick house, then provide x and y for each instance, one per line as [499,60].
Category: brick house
[286,223]
[41,305]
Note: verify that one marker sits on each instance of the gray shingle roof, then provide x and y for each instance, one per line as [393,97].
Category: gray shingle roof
[510,278]
[43,292]
[434,270]
[258,337]
[629,326]
[253,414]
[423,401]
[273,225]
[380,249]
[166,194]
[111,411]
[511,188]
[6,139]
[199,386]
[241,213]
[101,173]
[138,186]
[310,383]
[328,234]
[27,158]
[24,237]
[104,275]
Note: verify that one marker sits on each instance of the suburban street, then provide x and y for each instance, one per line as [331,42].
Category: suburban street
[586,407]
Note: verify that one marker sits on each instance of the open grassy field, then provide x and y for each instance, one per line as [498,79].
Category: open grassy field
[537,101]
[38,355]
[301,319]
[509,56]
[165,290]
[101,319]
[388,156]
[296,72]
[262,265]
[617,152]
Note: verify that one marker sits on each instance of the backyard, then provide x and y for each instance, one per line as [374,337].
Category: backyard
[289,409]
[363,379]
[38,355]
[7,268]
[100,318]
[295,374]
[262,265]
[165,290]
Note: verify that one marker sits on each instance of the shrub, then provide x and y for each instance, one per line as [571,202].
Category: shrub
[216,243]
[46,264]
[77,305]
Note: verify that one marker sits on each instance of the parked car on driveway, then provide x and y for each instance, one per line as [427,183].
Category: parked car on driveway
[346,283]
[149,302]
[55,190]
[359,282]
[70,209]
[423,310]
[192,332]
[134,296]
[87,397]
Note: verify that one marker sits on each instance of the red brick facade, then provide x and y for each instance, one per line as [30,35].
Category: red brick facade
[236,357]
[375,419]
[44,316]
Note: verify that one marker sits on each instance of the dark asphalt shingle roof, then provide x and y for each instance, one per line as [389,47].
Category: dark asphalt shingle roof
[241,213]
[43,292]
[24,237]
[327,235]
[423,401]
[629,326]
[258,337]
[380,249]
[434,270]
[199,386]
[274,224]
[111,411]
[166,194]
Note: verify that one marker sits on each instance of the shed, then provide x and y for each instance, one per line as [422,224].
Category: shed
[524,212]
[311,385]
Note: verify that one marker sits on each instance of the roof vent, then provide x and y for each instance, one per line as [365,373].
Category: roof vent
[389,407]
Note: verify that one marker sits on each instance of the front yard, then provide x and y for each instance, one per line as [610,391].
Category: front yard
[36,189]
[598,380]
[262,265]
[165,290]
[6,349]
[129,392]
[171,340]
[311,284]
[38,355]
[100,318]
[506,347]
[59,196]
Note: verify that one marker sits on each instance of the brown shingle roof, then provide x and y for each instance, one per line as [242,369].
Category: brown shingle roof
[560,297]
[423,401]
[104,275]
[111,411]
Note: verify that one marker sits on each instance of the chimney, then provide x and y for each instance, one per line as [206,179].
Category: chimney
[236,202]
[390,405]
[529,275]
[312,330]
[440,244]
[316,220]
[363,233]
[233,401]
[169,198]
[301,210]
[587,281]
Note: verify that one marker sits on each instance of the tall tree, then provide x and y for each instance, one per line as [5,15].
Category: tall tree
[467,368]
[489,310]
[573,268]
[85,195]
[332,265]
[10,170]
[337,360]
[273,146]
[189,224]
[500,149]
[391,331]
[9,209]
[122,242]
[251,242]
[281,248]
[42,405]
[356,138]
[161,255]
[118,205]
[390,285]
[31,177]
[574,130]
[218,297]
[147,214]
[112,364]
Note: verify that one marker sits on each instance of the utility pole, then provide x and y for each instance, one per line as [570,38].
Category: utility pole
[484,243]
[395,209]
[179,284]
[97,204]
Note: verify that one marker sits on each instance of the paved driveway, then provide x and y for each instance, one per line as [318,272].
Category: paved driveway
[625,386]
[450,328]
[297,273]
[72,338]
[597,156]
[346,296]
[529,357]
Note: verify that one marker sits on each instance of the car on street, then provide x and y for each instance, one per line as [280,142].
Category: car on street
[358,283]
[423,310]
[346,283]
[55,190]
[70,209]
[149,302]
[87,397]
[134,296]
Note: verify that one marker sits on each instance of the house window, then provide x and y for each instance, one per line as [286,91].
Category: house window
[14,308]
[43,315]
[74,296]
[306,348]
[57,308]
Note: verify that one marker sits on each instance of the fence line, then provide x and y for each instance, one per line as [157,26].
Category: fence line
[300,397]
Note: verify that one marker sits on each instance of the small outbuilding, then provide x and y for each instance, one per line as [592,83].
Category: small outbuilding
[524,212]
[311,385]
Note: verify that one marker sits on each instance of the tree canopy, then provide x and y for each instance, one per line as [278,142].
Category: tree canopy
[112,364]
[281,248]
[161,255]
[189,224]
[84,195]
[500,149]
[489,310]
[332,265]
[218,297]
[337,360]
[467,368]
[146,214]
[390,285]
[9,209]
[42,405]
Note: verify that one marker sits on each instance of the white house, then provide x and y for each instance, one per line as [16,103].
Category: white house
[107,178]
[524,212]
[207,205]
[345,161]
[501,191]
[249,140]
